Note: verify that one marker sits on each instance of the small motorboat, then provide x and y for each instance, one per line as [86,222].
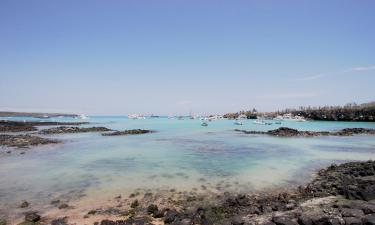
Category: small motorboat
[83,117]
[260,122]
[238,123]
[204,124]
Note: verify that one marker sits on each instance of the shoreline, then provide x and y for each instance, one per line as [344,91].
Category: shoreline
[261,207]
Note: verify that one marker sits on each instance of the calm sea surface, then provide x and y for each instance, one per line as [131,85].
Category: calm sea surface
[181,155]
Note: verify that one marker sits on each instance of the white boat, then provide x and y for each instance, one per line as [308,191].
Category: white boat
[299,119]
[242,117]
[290,117]
[136,116]
[238,123]
[83,117]
[260,122]
[278,118]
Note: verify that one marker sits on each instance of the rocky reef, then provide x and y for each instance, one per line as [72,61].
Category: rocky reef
[289,132]
[128,132]
[18,126]
[66,130]
[24,140]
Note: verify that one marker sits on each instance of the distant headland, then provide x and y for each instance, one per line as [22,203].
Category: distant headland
[35,114]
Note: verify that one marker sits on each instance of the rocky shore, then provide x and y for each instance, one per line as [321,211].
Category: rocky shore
[289,132]
[128,132]
[67,130]
[339,195]
[29,139]
[18,126]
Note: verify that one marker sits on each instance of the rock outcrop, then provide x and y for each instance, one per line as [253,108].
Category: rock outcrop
[289,132]
[67,130]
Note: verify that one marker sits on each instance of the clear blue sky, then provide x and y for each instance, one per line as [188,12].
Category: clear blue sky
[165,57]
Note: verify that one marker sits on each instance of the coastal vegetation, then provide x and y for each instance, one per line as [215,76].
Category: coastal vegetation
[35,115]
[350,112]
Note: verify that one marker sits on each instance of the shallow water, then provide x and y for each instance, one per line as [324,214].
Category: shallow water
[181,155]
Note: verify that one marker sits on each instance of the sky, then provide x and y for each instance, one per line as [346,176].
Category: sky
[171,56]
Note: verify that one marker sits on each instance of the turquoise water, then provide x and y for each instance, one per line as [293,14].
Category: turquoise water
[180,155]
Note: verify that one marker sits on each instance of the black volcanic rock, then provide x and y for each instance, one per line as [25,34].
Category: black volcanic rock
[66,130]
[22,141]
[20,126]
[128,132]
[289,132]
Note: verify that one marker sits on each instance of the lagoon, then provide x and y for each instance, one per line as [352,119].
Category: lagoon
[182,155]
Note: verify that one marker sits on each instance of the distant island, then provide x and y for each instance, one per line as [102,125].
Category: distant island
[350,112]
[36,115]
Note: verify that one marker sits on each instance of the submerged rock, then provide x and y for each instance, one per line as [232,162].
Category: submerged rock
[24,204]
[128,132]
[23,141]
[32,217]
[63,206]
[60,221]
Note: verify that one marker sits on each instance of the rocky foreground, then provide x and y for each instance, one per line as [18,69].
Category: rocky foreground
[289,132]
[339,195]
[24,140]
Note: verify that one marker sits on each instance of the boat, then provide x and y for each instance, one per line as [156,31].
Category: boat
[260,122]
[83,117]
[290,117]
[204,124]
[278,118]
[238,123]
[136,116]
[299,119]
[278,122]
[242,117]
